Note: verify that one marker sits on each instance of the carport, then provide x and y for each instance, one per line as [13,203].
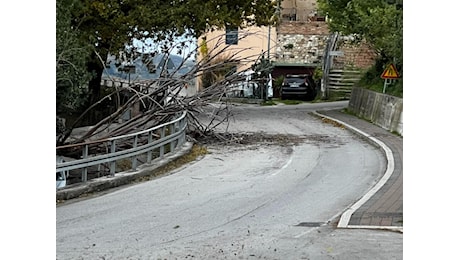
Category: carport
[282,69]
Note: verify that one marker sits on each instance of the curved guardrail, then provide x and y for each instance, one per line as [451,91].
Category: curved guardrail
[147,144]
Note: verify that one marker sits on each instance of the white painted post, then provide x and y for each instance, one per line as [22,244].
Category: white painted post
[134,158]
[385,85]
[84,175]
[113,163]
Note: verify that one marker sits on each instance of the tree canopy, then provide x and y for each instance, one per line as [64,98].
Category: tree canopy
[379,22]
[109,26]
[71,74]
[112,24]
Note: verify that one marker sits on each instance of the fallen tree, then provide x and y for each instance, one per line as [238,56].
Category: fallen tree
[157,101]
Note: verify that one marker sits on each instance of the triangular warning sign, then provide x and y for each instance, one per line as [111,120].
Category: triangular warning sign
[390,72]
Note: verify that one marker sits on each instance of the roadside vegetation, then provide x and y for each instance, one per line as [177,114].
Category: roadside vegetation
[291,101]
[379,23]
[371,80]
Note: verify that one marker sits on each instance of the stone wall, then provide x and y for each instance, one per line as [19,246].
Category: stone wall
[303,28]
[360,56]
[305,42]
[383,110]
[301,42]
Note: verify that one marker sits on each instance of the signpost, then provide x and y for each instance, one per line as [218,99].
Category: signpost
[336,53]
[389,74]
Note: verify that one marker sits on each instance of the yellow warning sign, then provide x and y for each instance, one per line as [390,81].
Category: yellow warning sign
[390,72]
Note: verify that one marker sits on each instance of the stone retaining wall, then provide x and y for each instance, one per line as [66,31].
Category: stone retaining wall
[301,42]
[360,56]
[304,42]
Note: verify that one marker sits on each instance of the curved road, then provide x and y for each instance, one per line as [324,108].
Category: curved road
[268,201]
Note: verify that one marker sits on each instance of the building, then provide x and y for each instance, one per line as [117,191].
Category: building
[296,45]
[245,45]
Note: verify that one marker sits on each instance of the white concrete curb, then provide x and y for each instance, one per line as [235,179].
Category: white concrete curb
[345,218]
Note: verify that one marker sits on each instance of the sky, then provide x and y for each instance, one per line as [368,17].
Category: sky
[191,46]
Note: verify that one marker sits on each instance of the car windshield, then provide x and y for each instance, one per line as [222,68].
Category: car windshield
[295,80]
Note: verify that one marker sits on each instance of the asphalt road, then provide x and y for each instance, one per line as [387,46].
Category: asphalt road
[277,200]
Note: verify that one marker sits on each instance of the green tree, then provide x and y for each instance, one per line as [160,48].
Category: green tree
[379,22]
[71,75]
[111,25]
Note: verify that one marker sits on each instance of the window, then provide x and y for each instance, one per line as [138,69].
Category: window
[231,36]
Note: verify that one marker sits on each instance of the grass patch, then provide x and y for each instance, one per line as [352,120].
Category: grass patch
[269,103]
[392,89]
[396,133]
[335,95]
[371,80]
[291,101]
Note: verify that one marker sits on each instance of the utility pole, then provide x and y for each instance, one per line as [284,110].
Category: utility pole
[268,59]
[269,37]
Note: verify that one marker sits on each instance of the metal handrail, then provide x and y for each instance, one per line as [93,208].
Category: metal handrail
[175,138]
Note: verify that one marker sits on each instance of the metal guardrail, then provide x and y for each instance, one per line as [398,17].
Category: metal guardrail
[168,137]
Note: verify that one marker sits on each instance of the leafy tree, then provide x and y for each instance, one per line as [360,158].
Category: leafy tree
[379,22]
[111,25]
[71,75]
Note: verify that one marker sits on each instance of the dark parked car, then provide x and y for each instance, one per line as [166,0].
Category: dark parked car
[299,86]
